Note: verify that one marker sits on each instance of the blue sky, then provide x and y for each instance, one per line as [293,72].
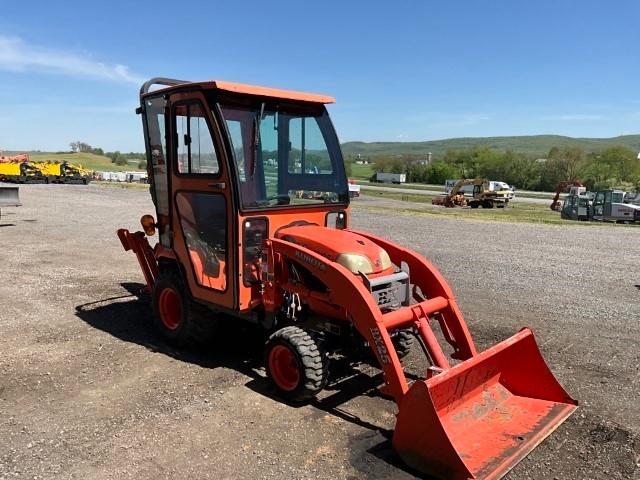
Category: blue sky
[411,71]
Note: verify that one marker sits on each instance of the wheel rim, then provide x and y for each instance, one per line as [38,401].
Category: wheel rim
[170,308]
[284,367]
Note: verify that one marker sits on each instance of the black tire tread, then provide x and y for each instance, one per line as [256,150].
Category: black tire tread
[312,357]
[403,341]
[199,325]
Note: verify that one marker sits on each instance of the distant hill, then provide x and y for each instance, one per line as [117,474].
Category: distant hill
[536,145]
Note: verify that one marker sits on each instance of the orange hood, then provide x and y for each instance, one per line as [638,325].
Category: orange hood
[344,247]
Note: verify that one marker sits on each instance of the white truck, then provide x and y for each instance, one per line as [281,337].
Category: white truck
[382,177]
[354,189]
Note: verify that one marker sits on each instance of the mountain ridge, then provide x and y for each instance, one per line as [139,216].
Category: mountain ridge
[536,145]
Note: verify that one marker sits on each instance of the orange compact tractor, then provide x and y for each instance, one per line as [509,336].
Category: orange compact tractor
[252,213]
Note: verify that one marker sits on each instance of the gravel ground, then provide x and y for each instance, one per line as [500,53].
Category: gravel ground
[89,391]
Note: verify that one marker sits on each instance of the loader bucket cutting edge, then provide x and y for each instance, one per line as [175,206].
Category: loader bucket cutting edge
[481,417]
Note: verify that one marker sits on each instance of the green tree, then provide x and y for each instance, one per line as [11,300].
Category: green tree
[116,157]
[623,163]
[569,161]
[439,171]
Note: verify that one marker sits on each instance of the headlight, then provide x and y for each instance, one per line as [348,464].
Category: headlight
[385,261]
[355,262]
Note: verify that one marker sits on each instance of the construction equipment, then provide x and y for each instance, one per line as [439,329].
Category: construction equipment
[21,172]
[482,195]
[556,206]
[609,206]
[236,241]
[64,172]
[21,157]
[9,197]
[576,205]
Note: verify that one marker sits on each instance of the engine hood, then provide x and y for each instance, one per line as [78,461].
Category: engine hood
[353,251]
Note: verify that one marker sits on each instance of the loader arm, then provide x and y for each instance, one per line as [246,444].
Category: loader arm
[432,284]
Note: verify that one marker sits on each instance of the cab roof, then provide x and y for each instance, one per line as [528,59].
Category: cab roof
[240,88]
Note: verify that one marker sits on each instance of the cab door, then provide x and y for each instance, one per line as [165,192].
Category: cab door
[202,214]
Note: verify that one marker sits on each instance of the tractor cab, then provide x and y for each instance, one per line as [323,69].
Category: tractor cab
[239,162]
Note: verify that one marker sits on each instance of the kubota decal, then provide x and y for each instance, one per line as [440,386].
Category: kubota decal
[310,260]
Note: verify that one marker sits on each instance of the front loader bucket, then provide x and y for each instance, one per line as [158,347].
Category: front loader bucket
[479,418]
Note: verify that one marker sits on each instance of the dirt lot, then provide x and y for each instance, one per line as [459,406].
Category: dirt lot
[89,391]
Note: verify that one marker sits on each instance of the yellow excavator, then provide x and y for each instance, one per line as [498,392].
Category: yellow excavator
[64,172]
[21,172]
[482,195]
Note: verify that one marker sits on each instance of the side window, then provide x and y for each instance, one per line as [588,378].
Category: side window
[308,153]
[195,152]
[155,121]
[235,137]
[599,198]
[269,153]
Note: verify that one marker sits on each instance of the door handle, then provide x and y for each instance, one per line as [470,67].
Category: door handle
[220,185]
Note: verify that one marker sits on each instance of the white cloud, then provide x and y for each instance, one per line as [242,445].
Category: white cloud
[18,56]
[577,117]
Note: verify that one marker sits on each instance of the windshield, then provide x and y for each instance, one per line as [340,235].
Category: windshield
[285,156]
[616,197]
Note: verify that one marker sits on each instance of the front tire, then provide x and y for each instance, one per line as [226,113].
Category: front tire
[403,342]
[180,320]
[295,364]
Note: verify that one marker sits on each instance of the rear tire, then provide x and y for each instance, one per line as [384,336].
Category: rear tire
[295,364]
[180,320]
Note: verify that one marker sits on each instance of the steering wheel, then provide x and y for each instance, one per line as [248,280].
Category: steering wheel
[283,199]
